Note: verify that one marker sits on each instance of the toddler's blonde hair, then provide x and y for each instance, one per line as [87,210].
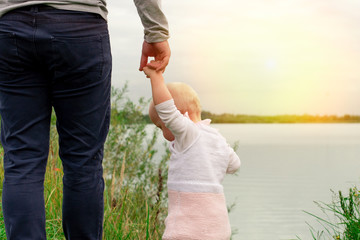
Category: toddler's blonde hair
[185,98]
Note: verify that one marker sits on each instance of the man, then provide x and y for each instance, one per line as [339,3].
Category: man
[56,54]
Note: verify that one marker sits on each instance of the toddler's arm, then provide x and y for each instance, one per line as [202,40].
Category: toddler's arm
[159,90]
[181,127]
[234,162]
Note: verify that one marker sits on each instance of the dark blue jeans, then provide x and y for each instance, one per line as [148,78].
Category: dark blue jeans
[57,59]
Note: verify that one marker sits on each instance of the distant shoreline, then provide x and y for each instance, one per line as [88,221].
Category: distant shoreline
[305,118]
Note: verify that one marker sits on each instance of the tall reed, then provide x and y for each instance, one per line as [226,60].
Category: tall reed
[342,217]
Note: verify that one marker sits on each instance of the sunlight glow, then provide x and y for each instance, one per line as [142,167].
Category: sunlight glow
[281,61]
[252,57]
[270,64]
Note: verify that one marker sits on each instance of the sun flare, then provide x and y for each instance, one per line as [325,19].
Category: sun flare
[271,64]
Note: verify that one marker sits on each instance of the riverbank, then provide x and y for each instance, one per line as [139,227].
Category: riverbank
[305,118]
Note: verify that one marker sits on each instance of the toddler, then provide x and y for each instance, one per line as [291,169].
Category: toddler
[200,158]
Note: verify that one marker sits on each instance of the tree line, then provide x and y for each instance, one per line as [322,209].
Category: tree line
[305,118]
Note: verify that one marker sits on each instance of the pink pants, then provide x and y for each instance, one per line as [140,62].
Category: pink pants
[195,216]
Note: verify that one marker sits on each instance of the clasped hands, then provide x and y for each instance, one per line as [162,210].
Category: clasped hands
[160,51]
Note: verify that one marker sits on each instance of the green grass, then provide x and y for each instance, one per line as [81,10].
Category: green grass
[2,226]
[341,220]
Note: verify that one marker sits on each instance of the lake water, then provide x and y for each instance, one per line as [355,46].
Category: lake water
[285,168]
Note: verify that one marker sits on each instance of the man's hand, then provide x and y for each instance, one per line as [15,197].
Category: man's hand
[161,52]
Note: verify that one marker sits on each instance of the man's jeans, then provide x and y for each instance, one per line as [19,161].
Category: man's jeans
[60,59]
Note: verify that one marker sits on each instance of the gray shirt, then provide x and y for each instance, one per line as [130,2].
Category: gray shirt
[152,17]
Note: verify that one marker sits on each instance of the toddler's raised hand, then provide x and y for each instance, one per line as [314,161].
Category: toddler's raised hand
[159,90]
[149,72]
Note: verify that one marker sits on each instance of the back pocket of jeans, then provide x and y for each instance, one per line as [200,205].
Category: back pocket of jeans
[9,57]
[78,61]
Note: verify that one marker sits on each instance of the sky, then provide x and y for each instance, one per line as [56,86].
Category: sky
[262,57]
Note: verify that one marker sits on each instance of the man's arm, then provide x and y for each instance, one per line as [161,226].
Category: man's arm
[156,34]
[155,24]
